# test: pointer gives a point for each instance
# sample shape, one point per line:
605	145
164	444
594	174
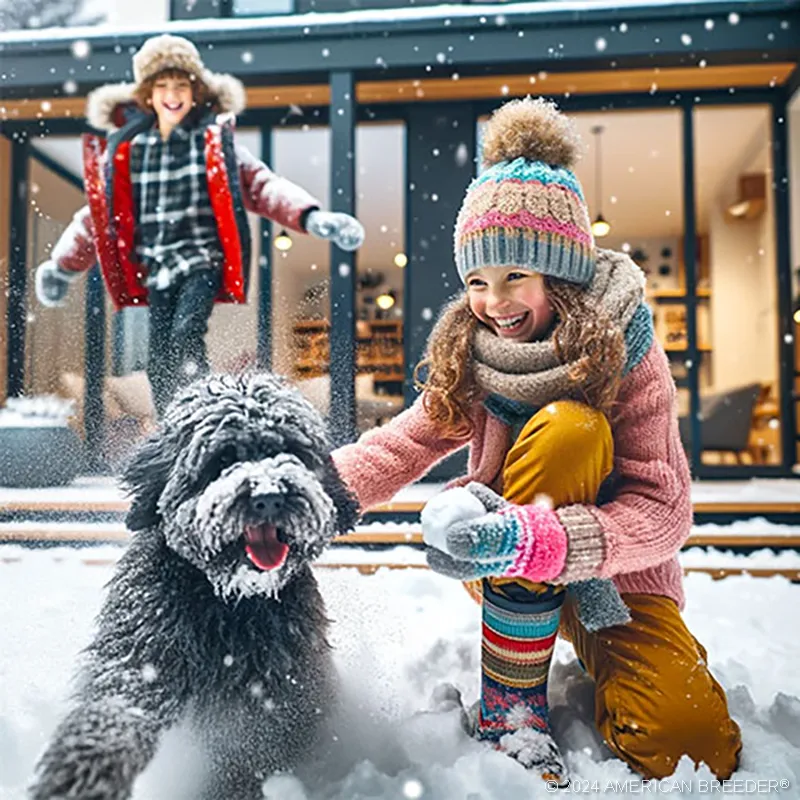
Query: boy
167	197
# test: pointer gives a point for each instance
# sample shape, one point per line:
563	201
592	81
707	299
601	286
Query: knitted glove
459	533
511	541
342	229
52	284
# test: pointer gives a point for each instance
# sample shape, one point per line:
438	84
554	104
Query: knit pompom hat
526	208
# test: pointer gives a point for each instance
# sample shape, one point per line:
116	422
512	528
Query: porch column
17	264
343	264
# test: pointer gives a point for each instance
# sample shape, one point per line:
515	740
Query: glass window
380	205
244	8
55	337
301	269
794	227
632	177
737	322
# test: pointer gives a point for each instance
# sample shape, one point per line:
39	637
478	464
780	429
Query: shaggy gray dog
213	616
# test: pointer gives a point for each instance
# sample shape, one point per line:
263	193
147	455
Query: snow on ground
398	634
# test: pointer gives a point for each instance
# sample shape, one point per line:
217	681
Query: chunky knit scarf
531	373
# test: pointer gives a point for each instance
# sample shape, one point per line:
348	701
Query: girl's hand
472	532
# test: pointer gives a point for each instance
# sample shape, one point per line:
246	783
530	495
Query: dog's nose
266	504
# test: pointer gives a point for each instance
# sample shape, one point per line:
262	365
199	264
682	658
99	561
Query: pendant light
283	241
600	227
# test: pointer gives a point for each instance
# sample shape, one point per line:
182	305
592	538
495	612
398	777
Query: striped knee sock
519	634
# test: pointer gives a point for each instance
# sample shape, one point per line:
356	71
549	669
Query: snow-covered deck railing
751	533
88	495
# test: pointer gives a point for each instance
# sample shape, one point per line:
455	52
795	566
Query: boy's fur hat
157	54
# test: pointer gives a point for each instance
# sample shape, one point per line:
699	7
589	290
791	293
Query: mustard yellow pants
655	699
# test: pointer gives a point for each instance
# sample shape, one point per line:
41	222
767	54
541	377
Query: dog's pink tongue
263	547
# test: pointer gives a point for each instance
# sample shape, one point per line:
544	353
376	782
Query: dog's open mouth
263	547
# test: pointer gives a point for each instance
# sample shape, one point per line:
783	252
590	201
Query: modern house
690	116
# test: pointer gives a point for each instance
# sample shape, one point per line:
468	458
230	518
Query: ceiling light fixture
283	241
600	226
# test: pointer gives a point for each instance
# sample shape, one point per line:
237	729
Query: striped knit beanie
526	209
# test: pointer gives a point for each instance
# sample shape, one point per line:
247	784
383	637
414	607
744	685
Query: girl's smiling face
172	100
510	301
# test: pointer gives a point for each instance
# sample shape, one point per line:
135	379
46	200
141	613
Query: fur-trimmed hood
105	105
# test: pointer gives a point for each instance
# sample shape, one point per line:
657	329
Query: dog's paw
96	754
78	777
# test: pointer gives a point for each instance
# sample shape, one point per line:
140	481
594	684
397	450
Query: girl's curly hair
584	336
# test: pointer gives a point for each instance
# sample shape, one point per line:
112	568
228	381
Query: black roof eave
588	39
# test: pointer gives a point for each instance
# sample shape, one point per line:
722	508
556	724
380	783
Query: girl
548	368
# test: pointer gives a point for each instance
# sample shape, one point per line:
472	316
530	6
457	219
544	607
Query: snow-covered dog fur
213	616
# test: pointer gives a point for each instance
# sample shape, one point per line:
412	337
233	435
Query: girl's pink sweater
633	539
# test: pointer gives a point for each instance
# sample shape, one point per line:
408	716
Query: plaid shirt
176	228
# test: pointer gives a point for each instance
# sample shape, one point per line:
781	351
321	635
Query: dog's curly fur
193	630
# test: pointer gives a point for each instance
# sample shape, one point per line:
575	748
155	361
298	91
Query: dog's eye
227	459
217	465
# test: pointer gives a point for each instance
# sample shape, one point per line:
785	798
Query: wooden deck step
120	506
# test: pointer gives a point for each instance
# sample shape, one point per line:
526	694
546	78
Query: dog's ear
347	509
145	477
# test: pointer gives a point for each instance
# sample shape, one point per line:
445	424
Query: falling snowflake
247	57
686	40
70	86
733	18
709	25
81	48
600	44
413	789
344	269
427	314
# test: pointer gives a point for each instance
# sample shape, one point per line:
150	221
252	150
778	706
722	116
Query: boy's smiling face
172	100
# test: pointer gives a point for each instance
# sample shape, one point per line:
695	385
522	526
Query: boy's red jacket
104	230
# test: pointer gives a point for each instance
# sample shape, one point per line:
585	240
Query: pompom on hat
526	208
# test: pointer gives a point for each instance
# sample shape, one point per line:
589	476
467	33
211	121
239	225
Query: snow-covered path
399	634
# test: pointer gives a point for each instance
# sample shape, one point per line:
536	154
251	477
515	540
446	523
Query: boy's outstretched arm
291	206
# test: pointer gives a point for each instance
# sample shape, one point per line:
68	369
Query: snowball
447	508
